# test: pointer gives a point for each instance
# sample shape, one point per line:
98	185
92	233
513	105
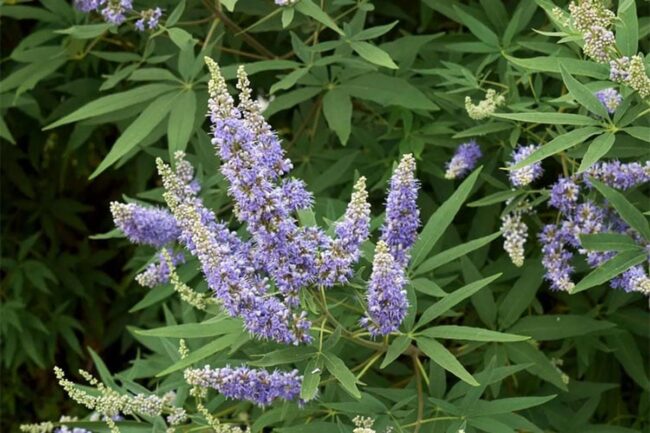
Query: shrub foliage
415	216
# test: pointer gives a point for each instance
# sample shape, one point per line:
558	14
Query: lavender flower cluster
280	254
118	11
559	240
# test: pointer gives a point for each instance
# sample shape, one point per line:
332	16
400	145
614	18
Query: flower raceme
560	239
260	280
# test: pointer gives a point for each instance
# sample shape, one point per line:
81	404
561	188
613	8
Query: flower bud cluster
486	107
593	20
109	403
631	71
515	233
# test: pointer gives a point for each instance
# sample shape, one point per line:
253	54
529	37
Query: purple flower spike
337	258
619	175
564	194
145	225
258	386
610	98
634	279
556	258
463	161
149	19
527	174
387	303
402	215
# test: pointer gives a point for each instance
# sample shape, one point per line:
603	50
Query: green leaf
337	109
342	373
180	37
309	8
483	129
625	209
428	287
208	350
454	253
441	218
452	299
557	327
373	54
115	102
104	374
87	31
374	32
597	149
334	174
521	294
181	122
290	99
507	405
627	353
627	28
229	4
209	328
287	17
582	94
386	90
497	197
284	356
5	132
610	269
552	64
640	132
137	131
608	242
444	358
478	29
455	332
395	349
289	80
557	145
548	118
311	379
176	14
526	353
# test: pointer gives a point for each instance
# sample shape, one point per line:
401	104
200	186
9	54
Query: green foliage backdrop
350	85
